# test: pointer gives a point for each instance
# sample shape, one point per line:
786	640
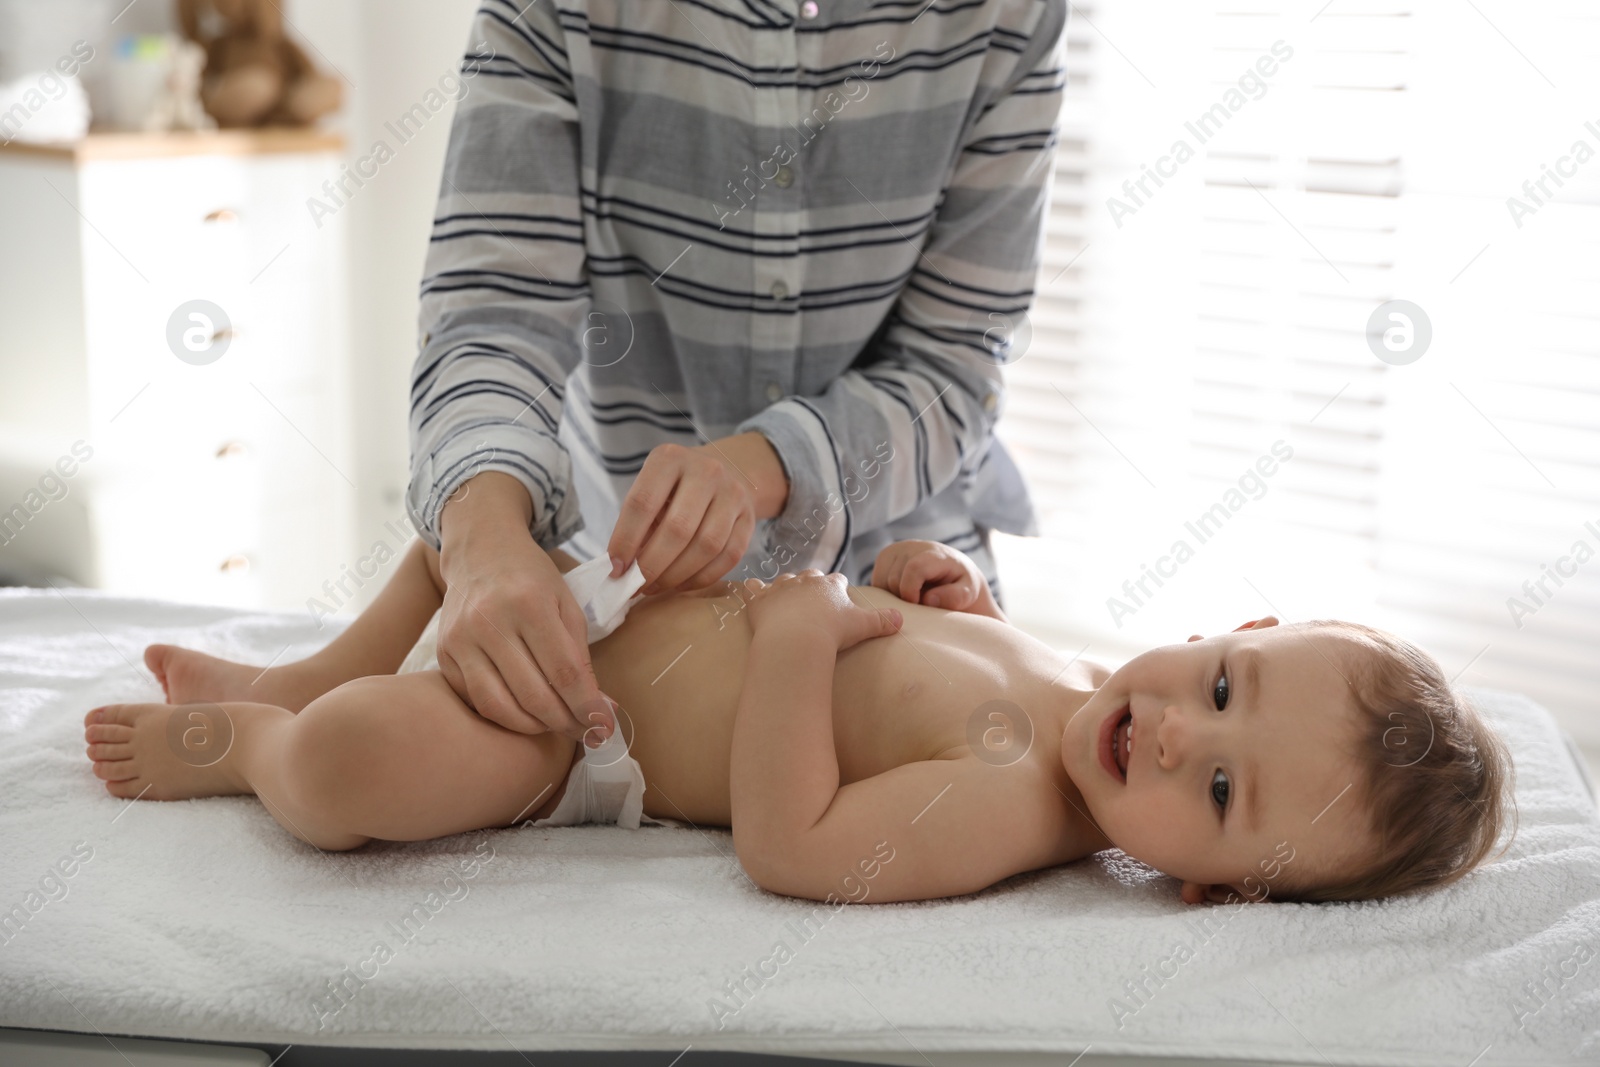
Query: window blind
1208	432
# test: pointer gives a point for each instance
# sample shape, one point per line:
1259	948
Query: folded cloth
606	785
605	600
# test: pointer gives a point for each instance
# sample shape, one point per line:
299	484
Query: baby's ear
1256	624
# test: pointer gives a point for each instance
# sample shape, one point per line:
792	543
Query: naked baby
831	726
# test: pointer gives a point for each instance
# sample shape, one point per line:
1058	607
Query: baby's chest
912	697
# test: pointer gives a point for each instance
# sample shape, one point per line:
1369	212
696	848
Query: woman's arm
919	406
500	319
491	482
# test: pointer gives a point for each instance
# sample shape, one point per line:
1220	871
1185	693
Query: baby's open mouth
1114	743
1122	742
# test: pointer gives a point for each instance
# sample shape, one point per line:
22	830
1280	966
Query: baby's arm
927	572
927	829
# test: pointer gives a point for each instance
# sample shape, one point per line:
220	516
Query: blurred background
1316	332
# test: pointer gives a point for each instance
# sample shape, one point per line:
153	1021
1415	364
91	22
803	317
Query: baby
902	732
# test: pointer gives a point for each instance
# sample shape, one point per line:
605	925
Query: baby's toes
127	788
114	770
127	715
155	657
112	732
102	750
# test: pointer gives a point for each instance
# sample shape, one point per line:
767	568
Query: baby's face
1238	763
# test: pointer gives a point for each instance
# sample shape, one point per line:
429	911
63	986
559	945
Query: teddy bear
254	74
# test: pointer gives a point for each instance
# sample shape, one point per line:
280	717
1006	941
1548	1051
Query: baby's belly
677	666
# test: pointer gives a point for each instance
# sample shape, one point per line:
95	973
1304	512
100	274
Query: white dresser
213	478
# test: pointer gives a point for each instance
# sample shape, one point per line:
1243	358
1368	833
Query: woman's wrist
492	504
754	458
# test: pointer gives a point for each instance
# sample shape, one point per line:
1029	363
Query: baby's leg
396	757
376	642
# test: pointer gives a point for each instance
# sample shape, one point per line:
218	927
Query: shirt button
774	392
808	10
989	402
784	178
779	290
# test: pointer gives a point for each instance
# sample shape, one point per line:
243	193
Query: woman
732	280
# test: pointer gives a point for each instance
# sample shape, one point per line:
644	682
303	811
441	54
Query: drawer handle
237	563
231	448
222	214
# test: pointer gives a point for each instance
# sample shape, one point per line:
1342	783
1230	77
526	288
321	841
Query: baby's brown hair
1438	778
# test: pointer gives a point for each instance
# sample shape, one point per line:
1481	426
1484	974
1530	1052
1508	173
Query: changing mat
202	919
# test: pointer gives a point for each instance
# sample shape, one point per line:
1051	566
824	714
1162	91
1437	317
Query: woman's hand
690	513
513	642
820	601
927	572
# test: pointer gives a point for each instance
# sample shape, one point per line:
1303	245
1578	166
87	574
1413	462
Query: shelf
108	145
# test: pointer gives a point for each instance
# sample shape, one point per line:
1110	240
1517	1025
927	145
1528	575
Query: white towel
204	919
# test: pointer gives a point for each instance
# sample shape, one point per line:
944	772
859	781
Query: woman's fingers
516	672
560	643
516	675
687	510
706	546
676	529
646	500
487	693
732	552
527	679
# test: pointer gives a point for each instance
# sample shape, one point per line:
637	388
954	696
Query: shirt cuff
813	530
536	460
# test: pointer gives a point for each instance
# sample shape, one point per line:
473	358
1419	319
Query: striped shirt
676	220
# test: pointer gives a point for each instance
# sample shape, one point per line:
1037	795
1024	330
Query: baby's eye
1220	797
1219	692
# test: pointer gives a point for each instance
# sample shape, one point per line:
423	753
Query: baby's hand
952	581
819	600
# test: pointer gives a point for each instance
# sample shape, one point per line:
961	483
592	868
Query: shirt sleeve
919	408
504	290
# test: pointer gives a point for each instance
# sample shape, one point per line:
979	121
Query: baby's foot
190	677
162	751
